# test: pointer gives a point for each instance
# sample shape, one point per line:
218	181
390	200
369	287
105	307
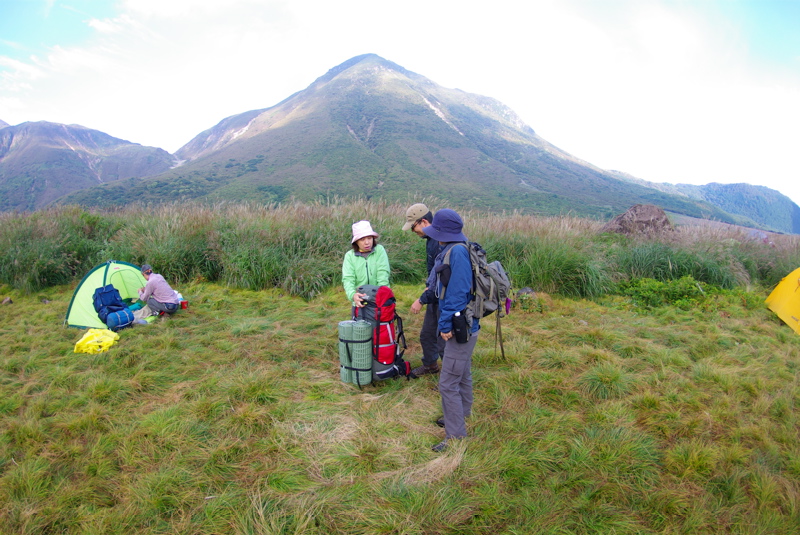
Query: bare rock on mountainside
640	219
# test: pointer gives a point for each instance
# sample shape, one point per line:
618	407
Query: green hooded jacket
358	269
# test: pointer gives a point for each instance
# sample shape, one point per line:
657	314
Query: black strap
400	337
355	341
357	369
350	358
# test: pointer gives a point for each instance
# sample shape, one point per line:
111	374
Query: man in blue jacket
453	286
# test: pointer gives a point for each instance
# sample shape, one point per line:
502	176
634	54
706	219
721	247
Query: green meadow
645	387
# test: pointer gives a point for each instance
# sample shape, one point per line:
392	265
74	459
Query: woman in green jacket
366	263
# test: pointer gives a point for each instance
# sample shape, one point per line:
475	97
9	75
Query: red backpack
388	339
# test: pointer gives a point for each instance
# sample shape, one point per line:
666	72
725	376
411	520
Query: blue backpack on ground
111	309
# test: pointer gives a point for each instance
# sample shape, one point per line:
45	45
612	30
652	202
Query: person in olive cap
417	218
157	292
452	283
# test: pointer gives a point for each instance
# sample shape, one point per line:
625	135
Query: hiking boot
440	447
425	370
440	422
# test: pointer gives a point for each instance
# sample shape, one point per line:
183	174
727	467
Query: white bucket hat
361	230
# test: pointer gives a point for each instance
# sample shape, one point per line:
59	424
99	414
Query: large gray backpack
490	287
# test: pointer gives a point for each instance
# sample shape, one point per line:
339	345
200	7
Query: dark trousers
455	386
432	344
158	306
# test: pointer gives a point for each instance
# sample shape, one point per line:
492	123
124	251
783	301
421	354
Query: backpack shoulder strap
446	260
468	247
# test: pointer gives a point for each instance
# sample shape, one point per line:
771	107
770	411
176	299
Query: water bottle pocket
460	328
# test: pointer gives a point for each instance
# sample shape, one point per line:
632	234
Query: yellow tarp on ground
785	300
96	341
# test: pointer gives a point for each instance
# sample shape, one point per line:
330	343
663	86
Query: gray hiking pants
455	385
158	306
432	344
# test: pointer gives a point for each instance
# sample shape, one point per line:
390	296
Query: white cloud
48	6
19	70
112	26
11	44
182	9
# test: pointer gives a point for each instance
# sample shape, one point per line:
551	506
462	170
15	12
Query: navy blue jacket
432	249
457	277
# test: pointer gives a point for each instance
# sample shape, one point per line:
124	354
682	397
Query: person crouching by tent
157	293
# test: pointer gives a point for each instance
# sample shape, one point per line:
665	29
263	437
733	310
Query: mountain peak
373	128
364	60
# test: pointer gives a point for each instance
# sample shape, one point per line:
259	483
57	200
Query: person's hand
416	306
447	336
358	299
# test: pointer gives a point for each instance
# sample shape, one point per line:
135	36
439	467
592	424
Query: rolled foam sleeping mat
362	358
345	333
355	336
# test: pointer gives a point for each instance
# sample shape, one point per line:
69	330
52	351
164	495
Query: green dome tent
127	278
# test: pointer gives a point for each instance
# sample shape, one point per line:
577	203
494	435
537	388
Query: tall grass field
645	387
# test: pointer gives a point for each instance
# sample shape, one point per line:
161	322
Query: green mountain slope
370	127
766	206
42	161
752	206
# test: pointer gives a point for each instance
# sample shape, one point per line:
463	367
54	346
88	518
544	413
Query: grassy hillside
604	417
299	247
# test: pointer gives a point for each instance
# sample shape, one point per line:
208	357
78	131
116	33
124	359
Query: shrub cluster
298	248
684	293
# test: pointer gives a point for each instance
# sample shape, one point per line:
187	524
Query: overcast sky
666	90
